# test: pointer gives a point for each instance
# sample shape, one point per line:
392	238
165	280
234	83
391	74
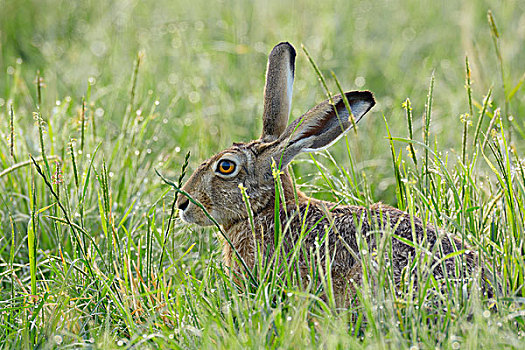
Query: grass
94	96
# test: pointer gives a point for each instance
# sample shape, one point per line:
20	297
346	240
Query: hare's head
215	184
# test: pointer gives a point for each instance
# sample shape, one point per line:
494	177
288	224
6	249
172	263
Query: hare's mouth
185	216
185	211
193	215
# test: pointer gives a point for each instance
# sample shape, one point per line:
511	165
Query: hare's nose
183	203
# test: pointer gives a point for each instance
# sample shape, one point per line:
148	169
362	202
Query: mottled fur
343	226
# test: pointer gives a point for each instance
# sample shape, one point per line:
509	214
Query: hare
215	184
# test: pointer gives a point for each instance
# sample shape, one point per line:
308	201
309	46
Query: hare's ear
323	125
278	91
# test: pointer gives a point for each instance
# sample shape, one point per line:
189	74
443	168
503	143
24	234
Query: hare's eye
226	167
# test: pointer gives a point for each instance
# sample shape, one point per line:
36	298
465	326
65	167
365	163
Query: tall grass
92	253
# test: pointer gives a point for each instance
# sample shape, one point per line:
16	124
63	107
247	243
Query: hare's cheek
216	215
202	219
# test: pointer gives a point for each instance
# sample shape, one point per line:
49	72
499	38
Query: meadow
95	96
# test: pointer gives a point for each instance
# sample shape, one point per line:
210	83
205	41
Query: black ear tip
365	95
284	46
369	96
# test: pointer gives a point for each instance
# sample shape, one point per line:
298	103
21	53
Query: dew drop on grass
10	70
120	343
194	97
177	149
57	102
58	339
486	313
111	174
165	121
137	152
157	103
360	81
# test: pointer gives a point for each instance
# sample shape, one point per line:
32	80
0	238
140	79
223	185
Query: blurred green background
199	88
204	61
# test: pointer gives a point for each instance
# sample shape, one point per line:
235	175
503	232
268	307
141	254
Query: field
97	95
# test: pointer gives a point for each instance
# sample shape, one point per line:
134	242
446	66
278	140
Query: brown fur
343	226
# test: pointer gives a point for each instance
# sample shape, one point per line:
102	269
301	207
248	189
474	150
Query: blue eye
226	167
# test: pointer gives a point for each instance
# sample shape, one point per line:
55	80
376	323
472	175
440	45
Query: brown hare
215	184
